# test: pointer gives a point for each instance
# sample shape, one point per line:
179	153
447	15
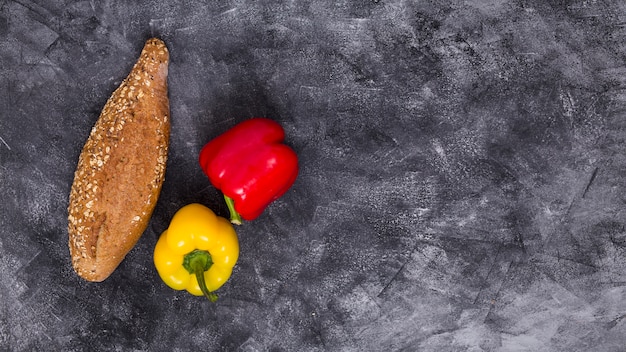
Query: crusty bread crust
121	168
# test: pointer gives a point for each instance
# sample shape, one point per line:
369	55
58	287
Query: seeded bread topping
121	168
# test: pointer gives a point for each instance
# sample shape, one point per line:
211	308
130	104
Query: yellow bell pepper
197	252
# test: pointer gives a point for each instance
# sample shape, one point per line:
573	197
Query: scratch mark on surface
560	258
40	17
612	283
43	328
372	298
5	143
54	315
569	207
610	325
591	179
488	276
502	286
395	276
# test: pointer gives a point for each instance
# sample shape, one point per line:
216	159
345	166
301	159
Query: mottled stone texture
461	184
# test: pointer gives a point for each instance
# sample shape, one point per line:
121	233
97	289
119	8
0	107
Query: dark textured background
461	184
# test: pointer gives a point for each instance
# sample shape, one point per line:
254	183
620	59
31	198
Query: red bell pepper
251	166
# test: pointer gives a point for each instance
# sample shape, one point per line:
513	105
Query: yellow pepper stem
235	218
197	262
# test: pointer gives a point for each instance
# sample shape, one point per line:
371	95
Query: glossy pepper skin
197	252
250	165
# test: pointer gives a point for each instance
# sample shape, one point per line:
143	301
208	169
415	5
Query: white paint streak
5	143
228	11
439	149
569	106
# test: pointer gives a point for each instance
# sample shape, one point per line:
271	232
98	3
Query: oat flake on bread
121	168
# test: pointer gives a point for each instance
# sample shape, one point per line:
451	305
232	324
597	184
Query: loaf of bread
121	168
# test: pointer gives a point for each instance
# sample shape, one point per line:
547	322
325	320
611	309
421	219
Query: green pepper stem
197	262
235	218
199	271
